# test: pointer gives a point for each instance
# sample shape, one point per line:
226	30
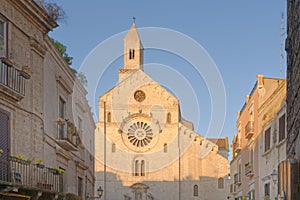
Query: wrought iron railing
68	135
238	145
19	172
68	131
12	78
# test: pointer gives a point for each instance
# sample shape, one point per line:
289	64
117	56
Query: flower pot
38	165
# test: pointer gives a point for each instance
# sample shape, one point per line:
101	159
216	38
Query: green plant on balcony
267	198
39	163
58	171
61	171
61	121
1	151
72	133
29	160
20	158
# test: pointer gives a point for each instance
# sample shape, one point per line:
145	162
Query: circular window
140	134
139	95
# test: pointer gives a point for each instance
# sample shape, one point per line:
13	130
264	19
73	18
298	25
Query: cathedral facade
145	149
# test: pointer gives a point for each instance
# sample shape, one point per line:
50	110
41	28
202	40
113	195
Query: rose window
140	134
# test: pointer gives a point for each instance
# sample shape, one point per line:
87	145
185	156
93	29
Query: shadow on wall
139	189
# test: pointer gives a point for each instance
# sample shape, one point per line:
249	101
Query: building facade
271	142
145	149
250	167
293	102
46	126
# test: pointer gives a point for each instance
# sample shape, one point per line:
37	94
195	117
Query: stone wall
293	75
293	85
33	127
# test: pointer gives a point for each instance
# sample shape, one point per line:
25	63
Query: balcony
237	179
68	136
12	80
238	146
249	129
21	173
249	170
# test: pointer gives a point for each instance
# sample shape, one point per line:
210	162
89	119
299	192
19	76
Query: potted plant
61	121
39	163
19	158
55	170
61	171
267	198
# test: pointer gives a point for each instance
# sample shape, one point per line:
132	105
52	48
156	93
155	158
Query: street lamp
100	193
274	176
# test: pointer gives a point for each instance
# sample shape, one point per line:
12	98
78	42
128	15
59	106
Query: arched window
221	183
132	53
113	148
108	117
142	168
165	148
169	118
136	168
195	190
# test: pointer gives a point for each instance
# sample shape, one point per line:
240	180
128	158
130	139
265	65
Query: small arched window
132	53
113	148
169	120
108	117
165	148
142	168
221	183
136	168
195	190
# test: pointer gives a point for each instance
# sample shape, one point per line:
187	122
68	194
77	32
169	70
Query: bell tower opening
133	50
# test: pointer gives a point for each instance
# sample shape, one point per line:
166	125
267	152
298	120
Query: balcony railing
249	129
68	136
249	170
12	80
237	179
238	145
22	173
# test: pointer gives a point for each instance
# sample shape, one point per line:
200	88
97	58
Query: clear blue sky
242	37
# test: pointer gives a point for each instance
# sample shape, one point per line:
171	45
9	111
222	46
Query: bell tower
133	50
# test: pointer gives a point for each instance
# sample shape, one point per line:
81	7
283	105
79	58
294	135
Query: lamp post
100	193
274	176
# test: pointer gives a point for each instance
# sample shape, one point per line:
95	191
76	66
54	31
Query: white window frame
3	52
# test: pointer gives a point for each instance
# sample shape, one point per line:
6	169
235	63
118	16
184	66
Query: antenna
282	32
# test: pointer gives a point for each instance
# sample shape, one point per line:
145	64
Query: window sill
267	152
281	143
